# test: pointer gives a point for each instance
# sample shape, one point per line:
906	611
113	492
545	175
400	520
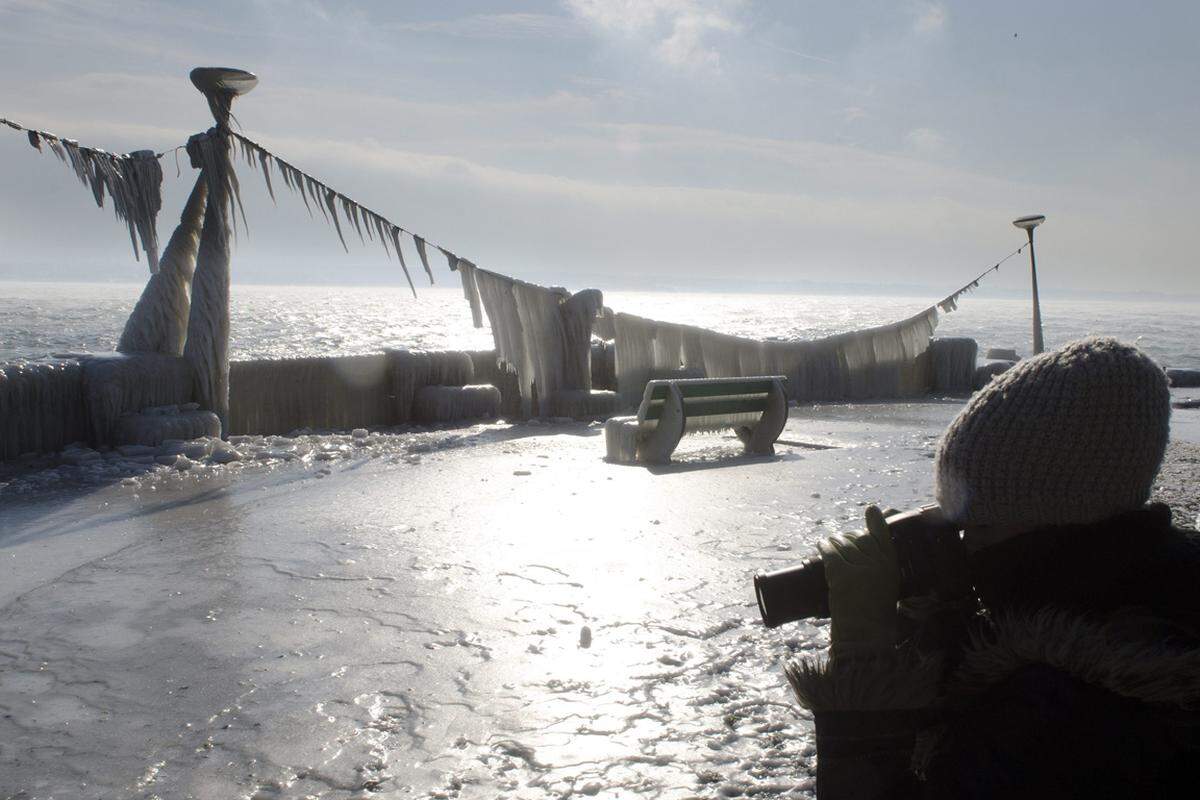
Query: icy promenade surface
480	613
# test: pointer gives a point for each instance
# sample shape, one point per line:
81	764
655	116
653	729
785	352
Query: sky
683	144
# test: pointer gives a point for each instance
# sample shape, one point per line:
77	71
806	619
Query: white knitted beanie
1068	437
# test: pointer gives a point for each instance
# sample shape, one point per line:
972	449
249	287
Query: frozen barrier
283	395
1188	378
954	364
604	366
439	404
885	361
124	383
488	369
155	426
46	405
114	398
41	407
542	334
338	392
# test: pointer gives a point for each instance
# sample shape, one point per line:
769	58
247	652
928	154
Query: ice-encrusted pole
158	323
207	346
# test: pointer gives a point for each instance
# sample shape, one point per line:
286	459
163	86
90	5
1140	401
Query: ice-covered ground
465	613
491	611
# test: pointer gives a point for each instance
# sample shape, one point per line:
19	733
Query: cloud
681	30
926	141
497	26
929	18
854	113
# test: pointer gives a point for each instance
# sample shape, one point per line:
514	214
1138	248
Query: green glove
864	587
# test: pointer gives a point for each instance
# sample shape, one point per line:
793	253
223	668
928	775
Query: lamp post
207	345
1029	223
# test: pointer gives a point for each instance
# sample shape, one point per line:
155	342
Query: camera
931	558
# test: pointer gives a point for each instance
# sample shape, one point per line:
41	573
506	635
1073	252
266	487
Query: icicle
264	161
545	338
496	294
351	211
471	291
133	182
307	187
400	257
578	313
331	202
424	258
634	344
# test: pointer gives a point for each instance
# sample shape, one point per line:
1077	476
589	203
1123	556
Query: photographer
1072	666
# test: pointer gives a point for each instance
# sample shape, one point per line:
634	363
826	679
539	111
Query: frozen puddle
508	616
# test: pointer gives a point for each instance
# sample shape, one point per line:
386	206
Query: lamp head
223	80
1030	222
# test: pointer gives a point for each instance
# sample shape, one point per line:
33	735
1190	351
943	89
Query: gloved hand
864	586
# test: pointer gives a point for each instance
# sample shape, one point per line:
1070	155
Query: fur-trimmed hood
1159	665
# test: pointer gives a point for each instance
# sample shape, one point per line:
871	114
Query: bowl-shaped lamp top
223	80
1030	222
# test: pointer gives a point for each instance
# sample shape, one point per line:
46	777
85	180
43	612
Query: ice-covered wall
283	395
953	361
886	361
338	392
41	407
121	383
45	405
488	369
441	404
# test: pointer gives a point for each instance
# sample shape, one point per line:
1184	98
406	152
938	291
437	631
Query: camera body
930	555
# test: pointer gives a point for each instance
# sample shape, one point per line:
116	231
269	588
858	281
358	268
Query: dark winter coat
1079	676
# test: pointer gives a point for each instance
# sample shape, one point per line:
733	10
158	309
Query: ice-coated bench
756	408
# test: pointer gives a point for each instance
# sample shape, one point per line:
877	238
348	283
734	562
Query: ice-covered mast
207	345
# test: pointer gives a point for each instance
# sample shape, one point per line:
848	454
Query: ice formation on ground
251	633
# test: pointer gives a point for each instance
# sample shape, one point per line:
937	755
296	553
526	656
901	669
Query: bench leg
620	439
656	447
760	439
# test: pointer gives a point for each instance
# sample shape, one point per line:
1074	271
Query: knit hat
1068	437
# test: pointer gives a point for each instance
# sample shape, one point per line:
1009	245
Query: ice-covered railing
877	362
544	335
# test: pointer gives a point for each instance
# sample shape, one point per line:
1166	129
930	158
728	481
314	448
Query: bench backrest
710	397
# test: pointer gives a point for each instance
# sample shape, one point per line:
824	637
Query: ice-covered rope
329	200
950	302
132	180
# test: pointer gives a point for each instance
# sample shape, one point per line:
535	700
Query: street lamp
1029	223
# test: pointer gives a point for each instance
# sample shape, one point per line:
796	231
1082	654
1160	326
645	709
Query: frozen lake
282	321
